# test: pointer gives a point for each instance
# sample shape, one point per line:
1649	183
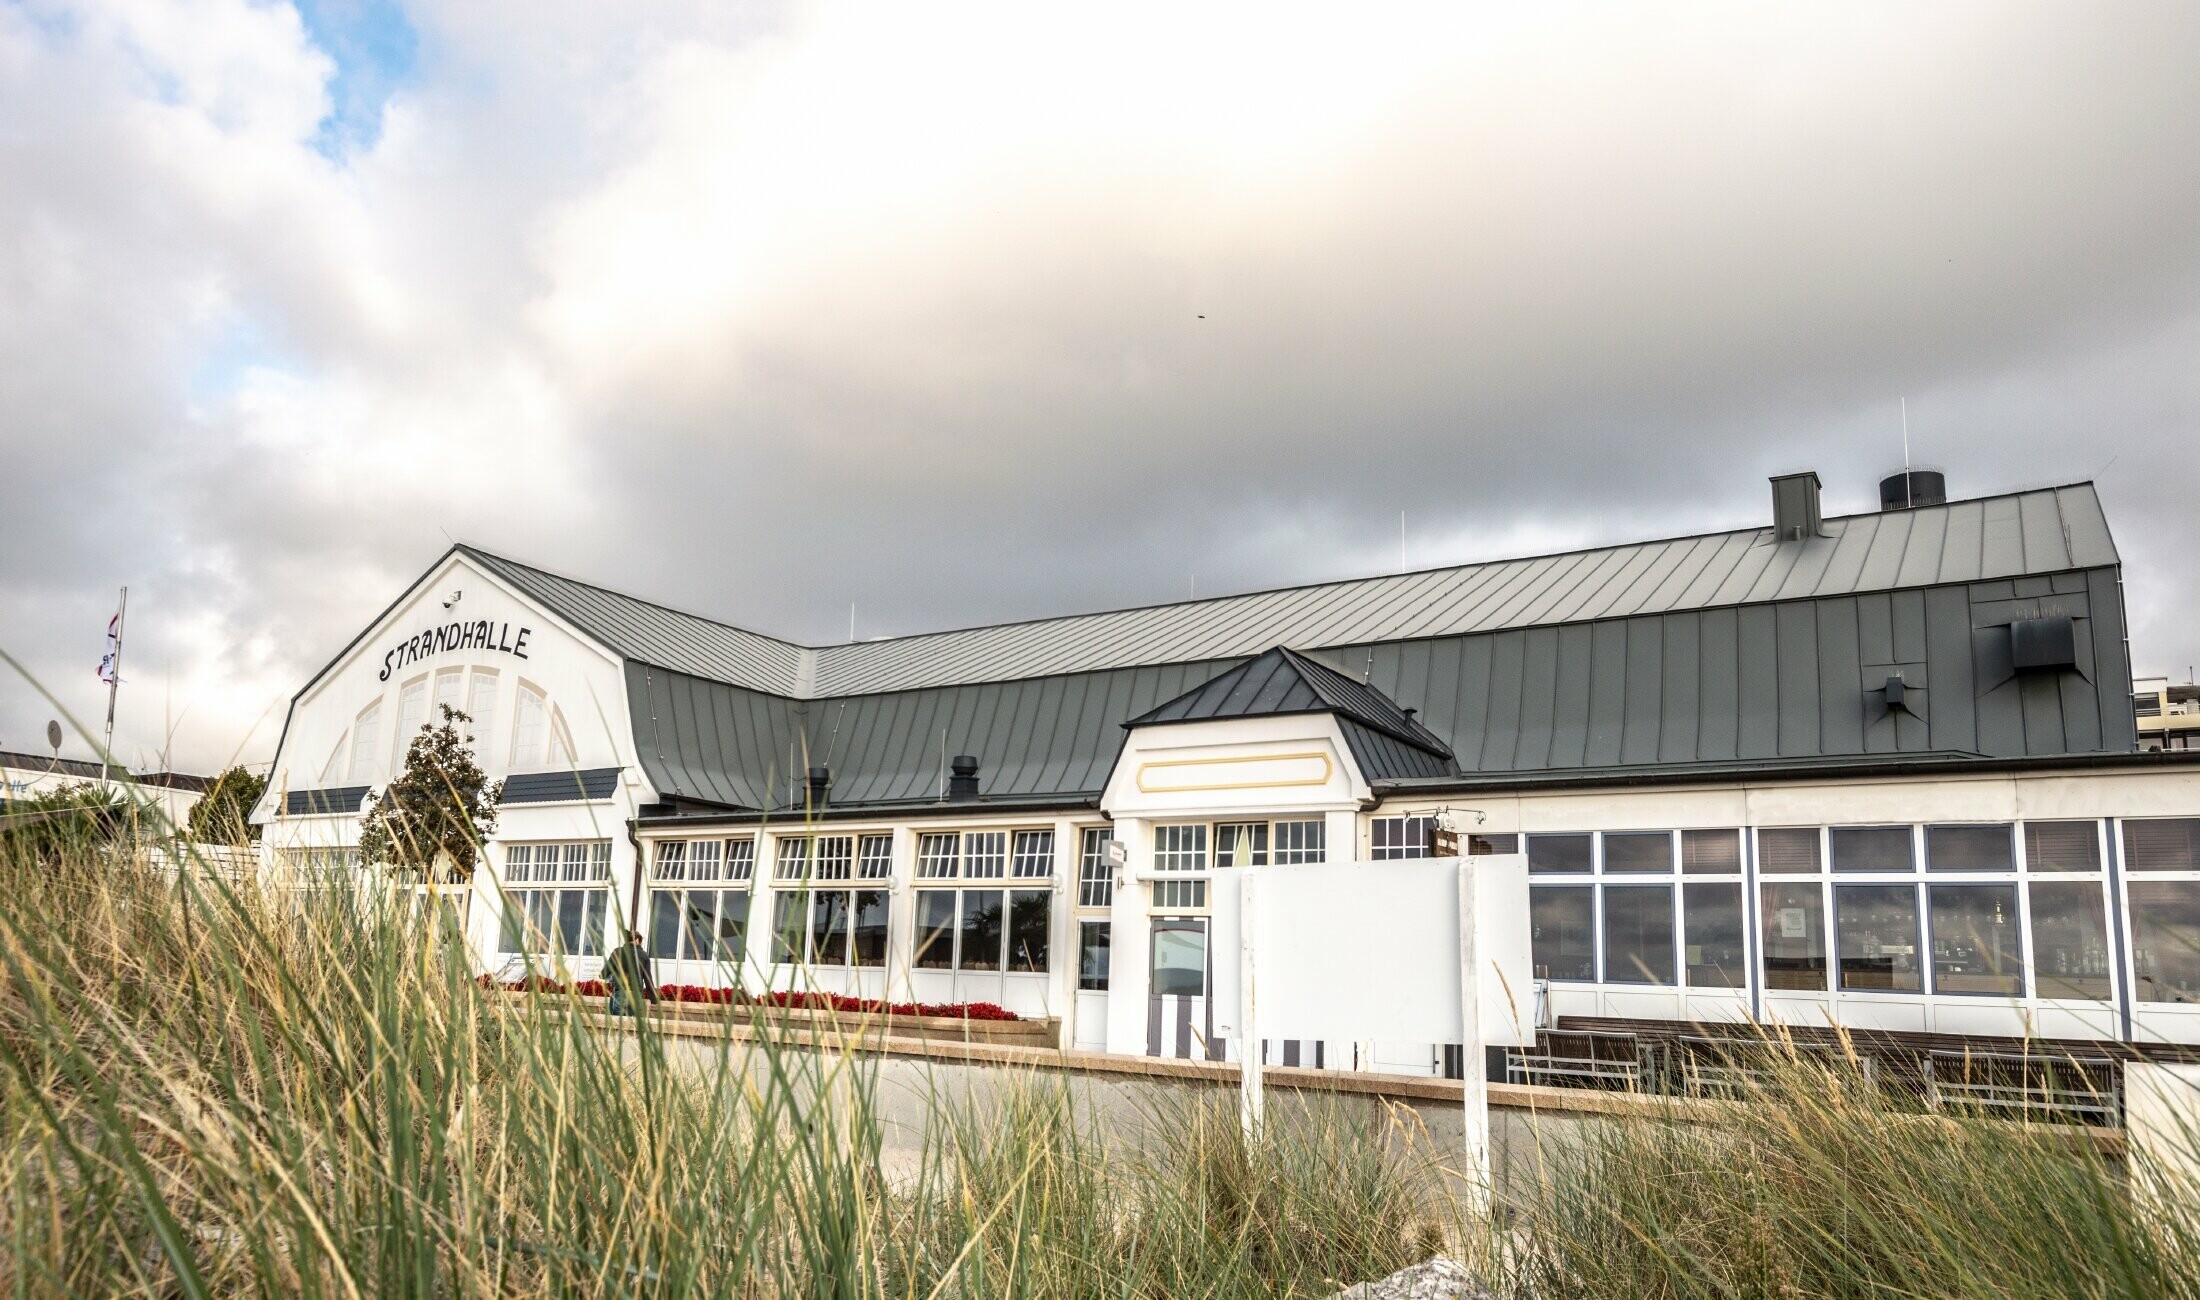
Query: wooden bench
2031	1084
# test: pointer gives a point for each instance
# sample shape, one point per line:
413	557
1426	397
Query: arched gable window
362	741
412	713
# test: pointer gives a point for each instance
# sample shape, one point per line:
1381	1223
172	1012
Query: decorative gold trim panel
1328	769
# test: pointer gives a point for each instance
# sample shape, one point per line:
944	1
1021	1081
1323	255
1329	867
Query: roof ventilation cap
820	780
1913	487
962	778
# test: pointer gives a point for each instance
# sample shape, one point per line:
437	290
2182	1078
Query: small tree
440	804
223	815
63	825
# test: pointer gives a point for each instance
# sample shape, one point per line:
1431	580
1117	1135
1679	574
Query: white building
28	776
1879	770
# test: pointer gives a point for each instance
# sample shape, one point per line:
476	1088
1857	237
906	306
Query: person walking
627	971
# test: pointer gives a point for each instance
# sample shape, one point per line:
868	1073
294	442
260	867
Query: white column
1341	833
1131	942
757	943
901	917
1062	934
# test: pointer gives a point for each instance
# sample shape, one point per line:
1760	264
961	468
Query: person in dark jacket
627	971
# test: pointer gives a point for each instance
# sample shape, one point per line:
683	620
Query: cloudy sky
961	313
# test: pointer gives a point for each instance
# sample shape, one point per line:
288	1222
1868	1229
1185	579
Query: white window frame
712	865
540	873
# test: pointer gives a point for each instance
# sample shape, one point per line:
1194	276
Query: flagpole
114	685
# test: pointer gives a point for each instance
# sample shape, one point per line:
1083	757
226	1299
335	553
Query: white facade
1877	902
542	697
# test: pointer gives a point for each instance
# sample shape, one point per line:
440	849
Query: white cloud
1005	310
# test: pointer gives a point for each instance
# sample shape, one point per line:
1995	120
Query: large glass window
1562	931
935	946
1180	957
984	929
2165	938
481	705
698	924
1871	848
557	899
1093	940
1241	844
699	899
1638	934
1876	929
1560	853
1978	946
1969	848
1714	956
1794	936
869	909
1636	852
847	926
2069	939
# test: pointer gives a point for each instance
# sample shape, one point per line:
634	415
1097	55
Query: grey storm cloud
1008	313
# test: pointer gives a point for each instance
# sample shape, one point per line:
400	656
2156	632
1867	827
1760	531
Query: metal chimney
1913	487
821	780
962	778
1795	514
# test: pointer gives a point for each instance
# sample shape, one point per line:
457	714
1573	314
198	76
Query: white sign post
1430	950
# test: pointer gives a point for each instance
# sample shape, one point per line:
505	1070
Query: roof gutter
872	812
1936	764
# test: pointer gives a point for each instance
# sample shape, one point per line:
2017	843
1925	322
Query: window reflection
1977	944
2069	939
2165	940
1180	958
1877	929
1794	937
1638	934
1713	916
1562	934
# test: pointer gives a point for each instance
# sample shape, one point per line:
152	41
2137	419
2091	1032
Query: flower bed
697	994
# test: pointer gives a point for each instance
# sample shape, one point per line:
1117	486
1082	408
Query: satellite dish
53	737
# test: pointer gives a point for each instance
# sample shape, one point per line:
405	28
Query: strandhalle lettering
457	636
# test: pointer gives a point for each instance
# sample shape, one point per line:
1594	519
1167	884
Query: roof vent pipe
821	780
962	779
1913	487
1795	507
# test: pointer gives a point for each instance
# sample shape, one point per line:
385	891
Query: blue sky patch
374	47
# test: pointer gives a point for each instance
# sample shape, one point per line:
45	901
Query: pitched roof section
1281	680
2016	535
652	633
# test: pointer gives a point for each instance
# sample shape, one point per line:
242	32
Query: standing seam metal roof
2020	534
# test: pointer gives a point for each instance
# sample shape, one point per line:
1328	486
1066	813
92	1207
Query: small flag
114	651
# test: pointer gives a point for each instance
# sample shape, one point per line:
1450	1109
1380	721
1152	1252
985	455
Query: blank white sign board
1369	951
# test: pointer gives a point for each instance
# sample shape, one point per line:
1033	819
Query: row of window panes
1393	839
704	861
1183	848
1976	936
985	855
1095	878
573	863
835	857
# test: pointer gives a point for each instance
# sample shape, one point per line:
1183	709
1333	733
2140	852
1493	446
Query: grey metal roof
1279	681
640	629
2046	531
1048	737
18	762
563	786
1789	680
334	799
